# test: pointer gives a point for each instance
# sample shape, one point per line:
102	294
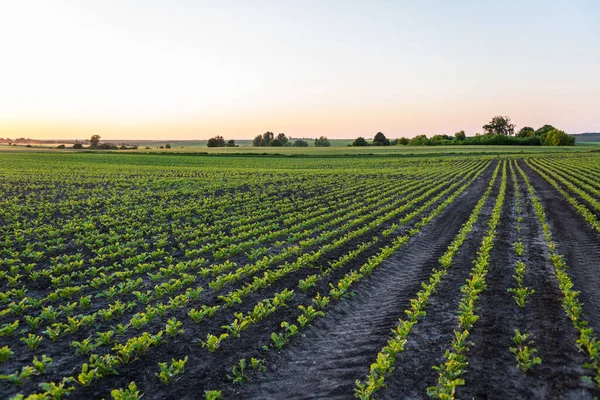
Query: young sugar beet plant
450	372
168	372
383	365
588	341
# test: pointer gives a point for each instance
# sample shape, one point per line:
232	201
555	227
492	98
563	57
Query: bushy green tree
380	140
268	137
322	142
460	135
403	141
499	126
360	141
217	141
94	141
419	140
526	131
259	141
283	139
300	143
556	137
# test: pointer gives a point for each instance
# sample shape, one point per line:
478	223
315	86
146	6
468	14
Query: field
402	274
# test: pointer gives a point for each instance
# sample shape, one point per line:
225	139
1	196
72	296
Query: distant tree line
499	131
219	141
96	145
378	140
268	139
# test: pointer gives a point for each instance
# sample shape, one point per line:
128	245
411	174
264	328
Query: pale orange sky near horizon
192	70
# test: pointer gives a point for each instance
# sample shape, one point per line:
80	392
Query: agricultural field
268	277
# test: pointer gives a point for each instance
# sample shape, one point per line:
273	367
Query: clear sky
149	69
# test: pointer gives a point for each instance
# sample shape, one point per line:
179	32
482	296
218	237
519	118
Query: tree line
281	140
499	131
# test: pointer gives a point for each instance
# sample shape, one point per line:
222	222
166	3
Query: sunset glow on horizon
190	70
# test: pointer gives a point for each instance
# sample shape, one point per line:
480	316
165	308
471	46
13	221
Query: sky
149	69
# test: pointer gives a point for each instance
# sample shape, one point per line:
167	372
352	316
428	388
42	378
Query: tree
94	141
78	146
322	142
258	141
544	130
419	140
283	139
60	146
403	141
460	135
268	137
439	138
526	131
360	141
217	141
168	146
557	137
231	143
499	126
300	143
380	140
276	143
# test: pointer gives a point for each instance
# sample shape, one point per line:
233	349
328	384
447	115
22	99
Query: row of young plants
383	365
584	190
588	341
584	211
523	350
577	169
450	372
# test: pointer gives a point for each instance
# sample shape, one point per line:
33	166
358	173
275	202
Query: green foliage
216	141
168	372
5	353
214	342
213	395
32	341
525	356
129	393
360	141
380	140
557	137
499	125
322	141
